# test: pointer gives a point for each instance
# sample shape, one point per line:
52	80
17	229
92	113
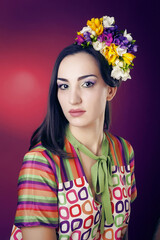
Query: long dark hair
52	130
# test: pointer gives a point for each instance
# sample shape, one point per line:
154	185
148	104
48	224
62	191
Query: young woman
77	179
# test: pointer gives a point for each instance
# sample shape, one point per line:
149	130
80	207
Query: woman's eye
62	86
88	84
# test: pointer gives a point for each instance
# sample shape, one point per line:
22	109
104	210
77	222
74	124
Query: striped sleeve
133	181
37	193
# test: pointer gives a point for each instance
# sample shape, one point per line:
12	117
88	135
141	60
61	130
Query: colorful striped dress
54	192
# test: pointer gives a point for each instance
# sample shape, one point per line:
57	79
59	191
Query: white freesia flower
121	51
98	46
127	35
118	73
108	21
126	75
93	33
118	63
86	29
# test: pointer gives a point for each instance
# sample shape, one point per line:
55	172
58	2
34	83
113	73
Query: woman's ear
111	93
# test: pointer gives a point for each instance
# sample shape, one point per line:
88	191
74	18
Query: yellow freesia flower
111	53
96	25
128	58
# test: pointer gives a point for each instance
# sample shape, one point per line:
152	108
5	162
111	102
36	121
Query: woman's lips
77	112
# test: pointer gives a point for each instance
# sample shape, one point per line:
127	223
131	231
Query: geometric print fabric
80	214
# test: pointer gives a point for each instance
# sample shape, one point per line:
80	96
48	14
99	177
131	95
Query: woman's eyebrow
80	78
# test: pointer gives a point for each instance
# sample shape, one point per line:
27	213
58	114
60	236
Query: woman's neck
89	136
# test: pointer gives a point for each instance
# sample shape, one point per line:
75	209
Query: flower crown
116	46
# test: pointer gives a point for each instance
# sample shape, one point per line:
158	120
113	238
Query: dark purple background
32	33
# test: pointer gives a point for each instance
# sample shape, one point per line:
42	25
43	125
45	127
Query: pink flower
80	39
106	37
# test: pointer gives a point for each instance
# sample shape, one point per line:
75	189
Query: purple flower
124	43
87	37
100	38
116	41
132	48
121	41
112	30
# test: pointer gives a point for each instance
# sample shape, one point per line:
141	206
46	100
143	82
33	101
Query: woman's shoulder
36	150
39	153
41	159
120	147
118	139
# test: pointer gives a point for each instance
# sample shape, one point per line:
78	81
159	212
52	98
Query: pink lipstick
76	112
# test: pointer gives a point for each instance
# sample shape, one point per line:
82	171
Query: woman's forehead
82	63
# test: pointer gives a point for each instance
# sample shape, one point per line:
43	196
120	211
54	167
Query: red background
32	33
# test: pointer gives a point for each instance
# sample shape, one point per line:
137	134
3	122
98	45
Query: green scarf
101	173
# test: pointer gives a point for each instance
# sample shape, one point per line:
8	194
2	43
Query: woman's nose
74	96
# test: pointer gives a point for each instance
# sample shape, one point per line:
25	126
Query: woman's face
82	93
